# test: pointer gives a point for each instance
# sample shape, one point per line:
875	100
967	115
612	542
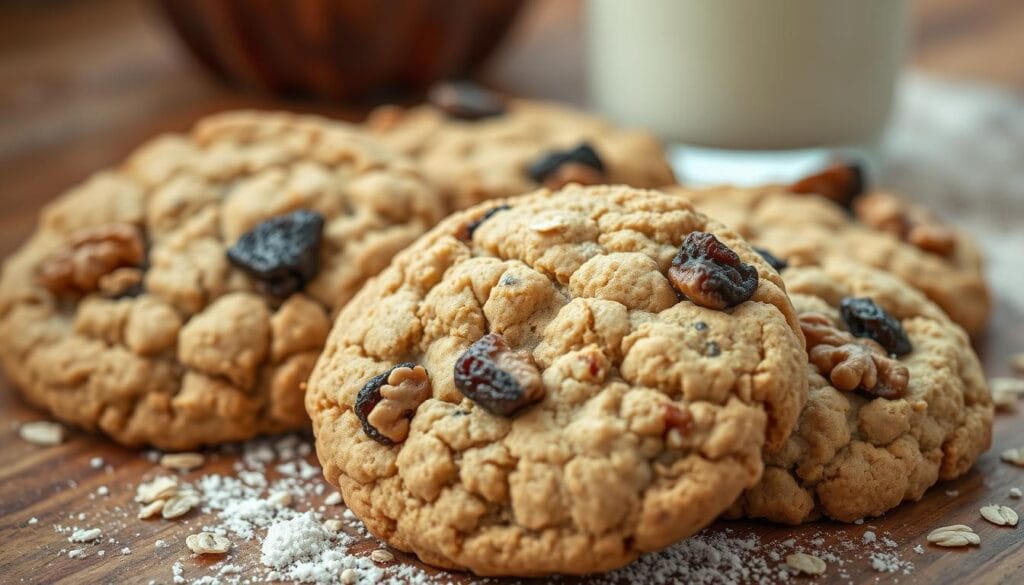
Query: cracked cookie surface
124	314
856	454
884	231
652	412
474	160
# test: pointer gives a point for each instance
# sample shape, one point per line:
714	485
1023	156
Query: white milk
748	74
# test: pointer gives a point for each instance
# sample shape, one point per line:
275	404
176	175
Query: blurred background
83	81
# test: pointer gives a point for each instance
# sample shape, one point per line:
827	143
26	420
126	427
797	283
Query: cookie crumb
33	520
42	433
952	493
280	498
805	563
869	536
999	515
126	551
77	553
86	535
333	499
96	462
381	556
1015	493
919	549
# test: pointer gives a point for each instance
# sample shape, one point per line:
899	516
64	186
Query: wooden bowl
340	49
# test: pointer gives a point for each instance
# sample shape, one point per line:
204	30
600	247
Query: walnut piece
852	363
89	255
933	237
915	225
405	390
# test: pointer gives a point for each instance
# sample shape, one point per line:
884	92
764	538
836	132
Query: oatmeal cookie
518	148
897	401
884	231
182	298
557	383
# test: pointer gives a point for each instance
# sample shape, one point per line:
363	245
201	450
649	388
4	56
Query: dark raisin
499	380
864	318
368	397
282	253
467	232
710	274
466	100
712	349
549	163
840	183
774	261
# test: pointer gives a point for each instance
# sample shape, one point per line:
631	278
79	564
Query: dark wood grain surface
81	83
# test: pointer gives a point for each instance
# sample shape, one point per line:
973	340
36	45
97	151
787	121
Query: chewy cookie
557	383
880	230
182	298
897	401
476	146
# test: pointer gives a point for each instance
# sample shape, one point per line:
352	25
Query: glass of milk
749	90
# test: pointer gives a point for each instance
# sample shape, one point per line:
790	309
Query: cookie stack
537	363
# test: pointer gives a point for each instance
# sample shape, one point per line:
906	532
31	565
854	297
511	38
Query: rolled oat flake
999	515
207	543
806	563
954	536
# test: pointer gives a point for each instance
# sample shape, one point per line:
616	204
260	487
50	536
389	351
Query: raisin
501	381
710	274
281	253
387	402
840	183
864	318
712	349
466	100
774	261
547	168
467	231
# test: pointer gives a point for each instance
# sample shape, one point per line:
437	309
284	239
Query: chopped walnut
90	255
405	389
889	213
852	363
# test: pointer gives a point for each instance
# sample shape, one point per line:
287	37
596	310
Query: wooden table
81	83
